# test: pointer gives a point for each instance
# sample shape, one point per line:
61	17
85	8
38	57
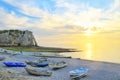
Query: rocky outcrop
17	38
11	75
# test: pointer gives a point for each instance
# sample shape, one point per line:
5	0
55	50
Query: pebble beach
97	70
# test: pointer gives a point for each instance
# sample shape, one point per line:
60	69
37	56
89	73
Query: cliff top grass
39	49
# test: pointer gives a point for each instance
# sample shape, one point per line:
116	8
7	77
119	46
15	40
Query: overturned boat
38	72
57	65
14	64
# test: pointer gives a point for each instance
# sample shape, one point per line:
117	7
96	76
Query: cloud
115	6
11	20
68	16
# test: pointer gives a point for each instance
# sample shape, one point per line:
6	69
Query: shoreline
97	70
39	49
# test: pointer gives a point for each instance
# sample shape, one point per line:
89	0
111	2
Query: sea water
98	47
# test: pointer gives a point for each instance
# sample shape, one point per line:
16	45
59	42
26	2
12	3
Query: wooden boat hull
37	61
38	73
30	62
37	64
57	65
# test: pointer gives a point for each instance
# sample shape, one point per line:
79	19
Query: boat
31	62
43	64
37	64
15	64
78	73
57	65
2	58
42	59
37	72
36	61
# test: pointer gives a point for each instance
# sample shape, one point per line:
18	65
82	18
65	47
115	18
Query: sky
55	17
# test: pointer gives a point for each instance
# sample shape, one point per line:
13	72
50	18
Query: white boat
78	73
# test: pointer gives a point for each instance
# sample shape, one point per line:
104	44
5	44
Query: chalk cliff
17	38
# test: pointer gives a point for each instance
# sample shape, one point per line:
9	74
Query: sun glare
89	51
88	32
89	28
88	24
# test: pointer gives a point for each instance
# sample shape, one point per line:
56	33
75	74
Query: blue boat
15	64
43	64
78	73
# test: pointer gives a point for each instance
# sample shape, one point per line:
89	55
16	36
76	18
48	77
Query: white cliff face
17	38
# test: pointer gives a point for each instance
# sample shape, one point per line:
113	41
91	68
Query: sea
98	46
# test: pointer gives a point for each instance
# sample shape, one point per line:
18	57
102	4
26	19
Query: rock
8	75
17	38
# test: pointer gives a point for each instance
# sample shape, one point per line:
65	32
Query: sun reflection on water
89	51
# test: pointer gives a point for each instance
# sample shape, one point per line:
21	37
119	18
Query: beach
97	70
59	39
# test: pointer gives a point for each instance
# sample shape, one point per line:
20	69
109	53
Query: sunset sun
88	32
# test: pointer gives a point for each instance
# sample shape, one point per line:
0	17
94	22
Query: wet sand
97	70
